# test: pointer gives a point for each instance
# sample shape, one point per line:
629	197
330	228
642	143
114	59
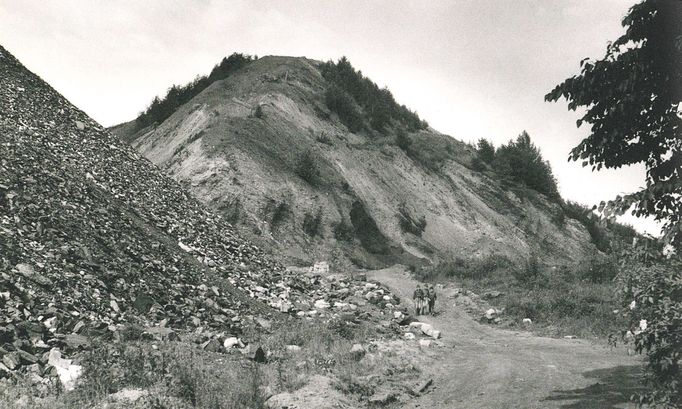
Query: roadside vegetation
179	374
559	300
631	101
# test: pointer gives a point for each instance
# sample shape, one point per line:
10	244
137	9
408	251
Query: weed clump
307	168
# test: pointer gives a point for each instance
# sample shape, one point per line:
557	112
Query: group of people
424	299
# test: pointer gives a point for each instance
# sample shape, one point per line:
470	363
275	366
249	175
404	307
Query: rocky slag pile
93	237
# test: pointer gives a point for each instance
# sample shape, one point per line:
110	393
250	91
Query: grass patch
181	375
577	300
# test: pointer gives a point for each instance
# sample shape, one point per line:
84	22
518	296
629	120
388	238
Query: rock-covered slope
93	236
239	144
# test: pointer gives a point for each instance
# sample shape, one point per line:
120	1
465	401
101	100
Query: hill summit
316	161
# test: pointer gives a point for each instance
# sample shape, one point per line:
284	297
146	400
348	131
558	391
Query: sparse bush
258	113
323	138
530	272
343	231
312	225
591	222
403	139
600	269
477	164
307	169
280	213
232	210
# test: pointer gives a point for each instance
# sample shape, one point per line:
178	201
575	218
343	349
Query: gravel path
485	367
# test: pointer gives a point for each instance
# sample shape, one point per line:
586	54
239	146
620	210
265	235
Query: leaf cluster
632	102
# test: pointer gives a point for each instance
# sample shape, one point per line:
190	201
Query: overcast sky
472	69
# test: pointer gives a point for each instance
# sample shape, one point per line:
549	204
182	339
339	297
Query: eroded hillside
244	145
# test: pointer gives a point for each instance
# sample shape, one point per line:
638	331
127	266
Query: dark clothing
417	294
432	299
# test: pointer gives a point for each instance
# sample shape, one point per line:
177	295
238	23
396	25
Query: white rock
490	313
321	304
293	348
409	335
370	286
68	373
387	298
184	247
527	321
80	125
398	315
232	342
425	343
428	330
357	349
320	268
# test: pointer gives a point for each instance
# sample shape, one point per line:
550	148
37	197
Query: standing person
432	299
418	298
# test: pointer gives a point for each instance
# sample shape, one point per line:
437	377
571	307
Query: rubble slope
94	236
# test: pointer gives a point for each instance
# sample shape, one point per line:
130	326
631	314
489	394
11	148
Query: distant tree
485	150
345	107
522	161
632	99
377	106
176	96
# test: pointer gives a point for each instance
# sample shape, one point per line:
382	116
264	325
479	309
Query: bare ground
485	367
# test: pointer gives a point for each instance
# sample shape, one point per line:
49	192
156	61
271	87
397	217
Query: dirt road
484	367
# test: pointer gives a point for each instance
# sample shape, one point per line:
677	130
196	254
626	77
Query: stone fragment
357	351
212	345
67	372
232	342
76	341
422	386
11	360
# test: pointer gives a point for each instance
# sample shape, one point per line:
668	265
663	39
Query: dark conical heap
93	236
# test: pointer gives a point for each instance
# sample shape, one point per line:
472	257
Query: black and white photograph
340	204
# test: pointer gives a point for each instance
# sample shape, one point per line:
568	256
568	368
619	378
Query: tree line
177	95
361	104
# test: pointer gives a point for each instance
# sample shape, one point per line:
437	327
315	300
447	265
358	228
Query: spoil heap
93	237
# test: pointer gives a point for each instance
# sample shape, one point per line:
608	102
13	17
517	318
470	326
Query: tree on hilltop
632	99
